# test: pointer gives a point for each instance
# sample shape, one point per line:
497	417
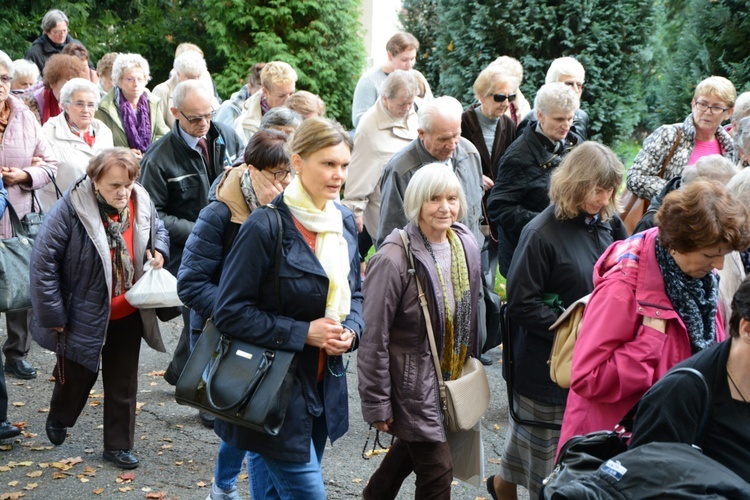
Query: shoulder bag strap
671	152
706	415
15	222
277	264
425	310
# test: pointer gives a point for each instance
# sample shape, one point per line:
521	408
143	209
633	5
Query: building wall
380	22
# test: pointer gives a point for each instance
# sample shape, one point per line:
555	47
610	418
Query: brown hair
700	215
253	76
740	308
267	149
76	49
587	167
401	42
306	104
63	67
113	157
104	66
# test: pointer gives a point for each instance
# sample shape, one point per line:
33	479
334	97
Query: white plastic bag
156	288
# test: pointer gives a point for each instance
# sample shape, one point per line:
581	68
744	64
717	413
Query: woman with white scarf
319	314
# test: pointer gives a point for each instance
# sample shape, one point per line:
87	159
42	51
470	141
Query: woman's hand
383	426
137	153
487	182
157	261
58	329
360	223
265	189
14	175
328	334
338	346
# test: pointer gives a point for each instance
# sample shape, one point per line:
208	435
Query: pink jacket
616	358
23	140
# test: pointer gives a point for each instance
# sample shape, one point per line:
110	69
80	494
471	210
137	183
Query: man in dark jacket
53	39
178	171
522	184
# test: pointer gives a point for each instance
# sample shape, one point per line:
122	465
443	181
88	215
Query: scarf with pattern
136	124
457	323
122	264
331	248
694	299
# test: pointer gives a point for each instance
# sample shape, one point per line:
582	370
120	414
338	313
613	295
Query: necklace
736	387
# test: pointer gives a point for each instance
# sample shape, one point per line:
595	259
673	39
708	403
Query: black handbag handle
253	383
34	199
15	222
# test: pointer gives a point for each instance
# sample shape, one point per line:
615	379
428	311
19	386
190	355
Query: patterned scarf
456	342
137	125
88	135
331	248
694	299
248	191
264	106
122	266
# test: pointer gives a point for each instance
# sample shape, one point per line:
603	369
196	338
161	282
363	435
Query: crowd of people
447	195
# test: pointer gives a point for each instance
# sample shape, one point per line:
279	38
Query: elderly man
386	128
178	170
522	184
277	81
570	72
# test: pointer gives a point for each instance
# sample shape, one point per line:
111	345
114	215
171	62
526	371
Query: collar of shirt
191	141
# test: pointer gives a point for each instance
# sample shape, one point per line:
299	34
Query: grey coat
397	376
71	274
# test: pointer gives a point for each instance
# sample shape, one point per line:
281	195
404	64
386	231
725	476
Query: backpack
566	329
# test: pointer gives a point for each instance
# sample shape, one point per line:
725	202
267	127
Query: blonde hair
306	104
277	73
511	65
587	167
490	77
318	133
185	47
719	87
432	180
564	66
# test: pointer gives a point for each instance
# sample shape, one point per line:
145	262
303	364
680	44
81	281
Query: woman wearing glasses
132	113
699	135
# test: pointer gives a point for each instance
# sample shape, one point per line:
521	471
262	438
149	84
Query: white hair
397	82
445	107
564	66
190	64
22	68
711	167
739	186
77	85
127	61
181	91
431	180
6	61
742	135
552	97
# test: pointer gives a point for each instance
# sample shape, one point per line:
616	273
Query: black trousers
18	343
431	462
182	349
119	366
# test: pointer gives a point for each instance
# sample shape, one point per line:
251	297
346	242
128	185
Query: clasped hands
330	335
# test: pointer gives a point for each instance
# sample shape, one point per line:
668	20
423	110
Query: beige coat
249	120
72	153
379	136
164	92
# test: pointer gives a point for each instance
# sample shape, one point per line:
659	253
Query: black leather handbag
237	381
15	255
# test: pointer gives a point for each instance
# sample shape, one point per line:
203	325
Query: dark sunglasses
503	97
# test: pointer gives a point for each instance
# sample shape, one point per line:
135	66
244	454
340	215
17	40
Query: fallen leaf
179	463
6	447
43	410
179	426
4	468
153	383
83	479
59	475
145	489
167	446
168	440
35	473
127	476
21	425
159	495
30	486
89	471
43	465
12	496
18	404
13	483
156	373
357	480
201	484
98	491
241	476
138	406
497	427
100	396
22	464
125	489
41	448
493	460
95	403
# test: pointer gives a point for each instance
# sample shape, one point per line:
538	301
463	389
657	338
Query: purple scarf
137	125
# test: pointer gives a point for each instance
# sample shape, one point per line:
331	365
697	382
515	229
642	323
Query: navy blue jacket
246	308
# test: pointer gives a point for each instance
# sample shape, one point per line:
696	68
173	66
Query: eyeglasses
196	119
280	175
6	79
577	85
503	97
139	80
59	32
703	107
83	105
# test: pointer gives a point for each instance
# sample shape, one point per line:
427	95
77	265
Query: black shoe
207	420
491	487
170	377
56	432
8	430
124	459
486	360
20	369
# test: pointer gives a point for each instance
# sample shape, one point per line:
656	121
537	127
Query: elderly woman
53	39
89	252
655	302
397	379
519	107
555	256
45	101
263	176
321	264
189	65
306	104
75	136
277	84
25	160
741	110
742	141
282	119
699	135
131	112
104	70
25	76
402	54
521	187
671	409
384	130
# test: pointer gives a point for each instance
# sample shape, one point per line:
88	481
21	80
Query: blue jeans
280	479
228	466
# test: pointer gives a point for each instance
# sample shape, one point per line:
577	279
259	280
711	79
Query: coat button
658	313
279	340
640	309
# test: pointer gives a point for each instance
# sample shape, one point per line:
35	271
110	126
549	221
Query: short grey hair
127	61
739	186
741	107
7	62
446	107
398	82
77	85
181	91
190	64
711	167
556	97
52	17
22	68
431	180
742	135
564	66
280	116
